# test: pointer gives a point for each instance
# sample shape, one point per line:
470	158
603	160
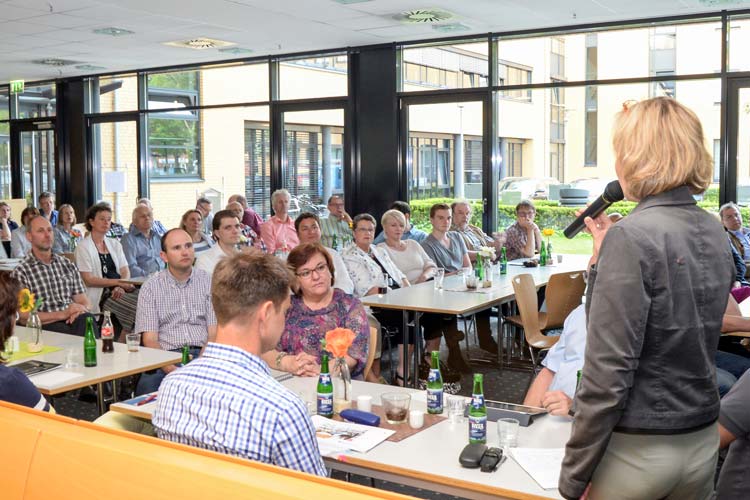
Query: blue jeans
724	380
150	381
733	363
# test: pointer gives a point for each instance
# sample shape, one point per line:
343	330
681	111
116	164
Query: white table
110	366
429	459
453	299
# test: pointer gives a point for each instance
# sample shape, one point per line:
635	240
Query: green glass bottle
335	243
543	255
479	268
89	344
325	390
503	261
185	354
549	253
477	413
435	386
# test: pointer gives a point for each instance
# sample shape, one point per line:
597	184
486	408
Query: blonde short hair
659	145
393	214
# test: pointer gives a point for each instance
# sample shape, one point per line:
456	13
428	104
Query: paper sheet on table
54	378
340	436
542	464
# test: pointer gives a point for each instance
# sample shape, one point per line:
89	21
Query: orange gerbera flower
338	341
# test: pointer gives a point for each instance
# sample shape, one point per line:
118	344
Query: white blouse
412	261
365	272
87	260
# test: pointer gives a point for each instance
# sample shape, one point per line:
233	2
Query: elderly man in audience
523	238
47	207
731	218
473	236
7	226
308	229
55	280
249	236
174	307
227	400
205	207
156	226
338	224
278	231
19	244
227	235
410	232
249	216
142	244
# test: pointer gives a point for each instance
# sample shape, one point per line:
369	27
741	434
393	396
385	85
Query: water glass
456	406
134	341
507	432
395	406
364	402
439	276
383	287
471	281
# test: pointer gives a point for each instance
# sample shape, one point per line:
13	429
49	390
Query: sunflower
548	232
26	300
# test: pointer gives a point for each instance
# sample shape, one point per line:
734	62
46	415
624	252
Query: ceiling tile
11	13
56	5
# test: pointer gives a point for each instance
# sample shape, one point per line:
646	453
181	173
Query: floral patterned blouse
365	272
305	328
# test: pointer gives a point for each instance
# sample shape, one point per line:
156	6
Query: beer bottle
435	386
503	261
108	333
477	413
479	269
185	354
89	344
549	253
335	243
325	390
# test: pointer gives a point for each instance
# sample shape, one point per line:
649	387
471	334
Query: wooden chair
564	292
528	308
371	351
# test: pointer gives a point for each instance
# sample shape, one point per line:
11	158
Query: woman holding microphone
646	409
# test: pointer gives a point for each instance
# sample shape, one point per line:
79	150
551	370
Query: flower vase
342	386
487	266
35	325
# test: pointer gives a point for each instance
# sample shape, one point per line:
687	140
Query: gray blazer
655	302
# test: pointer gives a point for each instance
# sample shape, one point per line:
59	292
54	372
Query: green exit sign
16	87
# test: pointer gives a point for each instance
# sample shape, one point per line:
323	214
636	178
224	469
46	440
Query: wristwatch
279	357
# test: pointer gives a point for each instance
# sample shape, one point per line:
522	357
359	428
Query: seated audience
734	432
142	244
67	237
205	207
731	218
7	226
19	244
55	280
337	223
227	236
47	207
308	229
156	226
368	267
165	325
15	387
102	264
226	400
192	224
410	232
249	216
248	236
740	287
523	238
316	308
278	231
448	250
473	236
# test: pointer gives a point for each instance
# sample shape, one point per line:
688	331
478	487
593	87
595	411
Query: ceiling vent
423	16
53	61
112	31
235	50
200	43
450	27
89	67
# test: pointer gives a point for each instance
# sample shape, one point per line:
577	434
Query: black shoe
454	336
457	362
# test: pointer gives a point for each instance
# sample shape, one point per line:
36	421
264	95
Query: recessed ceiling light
347	2
450	27
53	61
113	31
423	16
235	50
89	67
200	43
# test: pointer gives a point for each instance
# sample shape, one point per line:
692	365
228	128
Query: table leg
100	397
417	348
405	336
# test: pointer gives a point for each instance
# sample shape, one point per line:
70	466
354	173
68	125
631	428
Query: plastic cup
439	276
456	406
364	402
134	341
416	419
395	406
507	432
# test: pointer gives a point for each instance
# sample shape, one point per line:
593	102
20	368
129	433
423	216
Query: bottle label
107	332
434	400
477	401
503	267
477	429
325	403
325	379
434	376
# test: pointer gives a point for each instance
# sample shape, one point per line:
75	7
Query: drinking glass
471	281
134	341
383	287
395	406
70	359
456	407
507	432
439	276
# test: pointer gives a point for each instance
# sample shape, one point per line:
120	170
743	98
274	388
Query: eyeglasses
366	230
319	269
525	214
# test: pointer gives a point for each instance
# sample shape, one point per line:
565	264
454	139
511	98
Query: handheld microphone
612	193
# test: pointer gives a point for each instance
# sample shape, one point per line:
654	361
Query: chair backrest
564	292
528	306
371	351
70	256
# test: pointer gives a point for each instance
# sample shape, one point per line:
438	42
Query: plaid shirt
516	241
474	237
56	283
332	225
179	312
227	401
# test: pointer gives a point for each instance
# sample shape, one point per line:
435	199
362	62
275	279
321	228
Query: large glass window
174	145
4	103
109	94
36	101
445	66
4	160
319	76
739	41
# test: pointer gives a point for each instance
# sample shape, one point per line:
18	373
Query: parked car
531	188
594	185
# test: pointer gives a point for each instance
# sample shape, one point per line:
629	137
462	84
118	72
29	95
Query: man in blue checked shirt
227	400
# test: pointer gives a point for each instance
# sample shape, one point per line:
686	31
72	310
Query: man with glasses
338	223
523	238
